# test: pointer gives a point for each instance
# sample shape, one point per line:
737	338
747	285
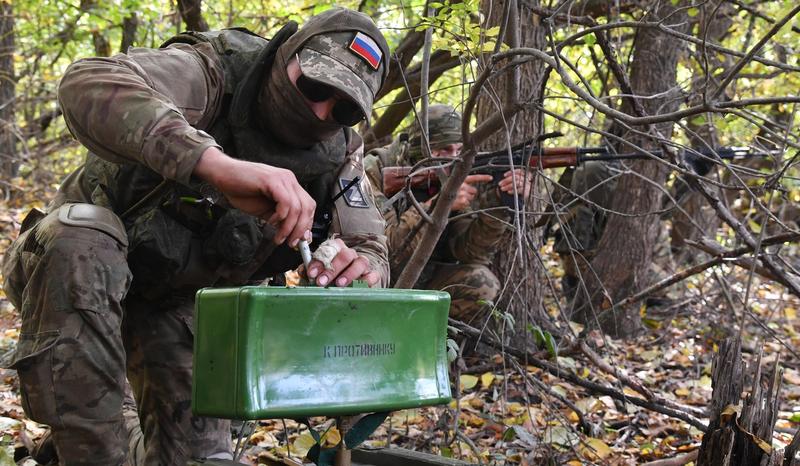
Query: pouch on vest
160	248
235	239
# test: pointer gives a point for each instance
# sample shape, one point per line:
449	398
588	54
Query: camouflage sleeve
399	229
373	167
131	107
475	239
356	219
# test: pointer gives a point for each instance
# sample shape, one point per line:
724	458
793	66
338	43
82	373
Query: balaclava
340	48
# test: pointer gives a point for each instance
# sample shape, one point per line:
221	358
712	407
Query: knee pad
93	217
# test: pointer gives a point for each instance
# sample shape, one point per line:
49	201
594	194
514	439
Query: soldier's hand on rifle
264	191
347	266
520	178
467	191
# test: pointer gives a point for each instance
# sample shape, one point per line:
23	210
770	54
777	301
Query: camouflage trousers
80	337
469	286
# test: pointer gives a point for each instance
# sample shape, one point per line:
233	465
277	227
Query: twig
675	460
603	365
586	427
573	378
471	444
633	382
731	75
683	274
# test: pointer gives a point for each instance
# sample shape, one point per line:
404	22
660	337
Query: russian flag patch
366	48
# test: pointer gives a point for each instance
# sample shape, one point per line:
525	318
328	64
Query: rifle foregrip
554	161
550	151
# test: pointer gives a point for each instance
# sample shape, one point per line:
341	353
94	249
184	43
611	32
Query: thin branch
564	374
694	270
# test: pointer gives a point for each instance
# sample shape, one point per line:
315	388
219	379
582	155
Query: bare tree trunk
516	263
192	15
129	26
625	250
8	141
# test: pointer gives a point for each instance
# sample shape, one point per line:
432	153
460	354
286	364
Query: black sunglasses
345	111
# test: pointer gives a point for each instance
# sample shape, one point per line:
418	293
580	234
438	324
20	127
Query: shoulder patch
363	46
354	196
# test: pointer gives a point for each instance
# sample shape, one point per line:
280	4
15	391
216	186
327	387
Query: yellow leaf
791	376
762	445
790	312
515	408
487	379
649	355
303	443
331	438
729	411
594	448
682	391
468	381
630	392
704	382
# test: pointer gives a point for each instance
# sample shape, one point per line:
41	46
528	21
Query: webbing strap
359	432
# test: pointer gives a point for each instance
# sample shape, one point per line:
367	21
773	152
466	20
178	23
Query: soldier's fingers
372	278
339	263
358	267
314	268
468	189
289	222
478	179
305	218
507	186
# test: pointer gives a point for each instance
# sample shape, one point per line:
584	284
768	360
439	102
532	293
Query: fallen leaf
468	381
595	449
487	379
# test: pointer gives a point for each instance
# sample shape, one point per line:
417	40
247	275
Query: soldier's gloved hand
523	182
264	191
346	266
467	191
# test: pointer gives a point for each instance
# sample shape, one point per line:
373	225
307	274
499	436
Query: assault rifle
529	155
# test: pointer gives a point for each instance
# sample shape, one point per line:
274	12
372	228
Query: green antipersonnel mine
272	352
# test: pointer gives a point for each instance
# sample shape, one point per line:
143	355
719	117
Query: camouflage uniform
105	281
581	228
460	262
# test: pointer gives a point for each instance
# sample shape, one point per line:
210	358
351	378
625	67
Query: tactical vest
180	238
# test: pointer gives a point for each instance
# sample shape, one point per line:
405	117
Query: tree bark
129	27
516	262
192	15
9	163
625	250
102	47
714	22
742	437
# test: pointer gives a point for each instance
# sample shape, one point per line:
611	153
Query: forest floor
501	415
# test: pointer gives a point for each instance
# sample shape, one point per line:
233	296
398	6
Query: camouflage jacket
155	108
469	239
